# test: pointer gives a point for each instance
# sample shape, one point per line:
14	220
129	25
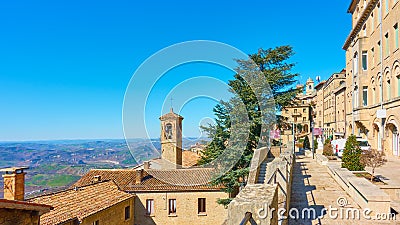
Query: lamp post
312	139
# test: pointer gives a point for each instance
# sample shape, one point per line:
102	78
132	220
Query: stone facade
114	215
14	183
373	73
300	112
187	204
21	217
333	105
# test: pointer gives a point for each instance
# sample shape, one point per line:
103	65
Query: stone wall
260	198
114	215
18	217
186	208
363	192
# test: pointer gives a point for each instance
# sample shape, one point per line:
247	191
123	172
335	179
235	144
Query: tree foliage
351	158
306	143
327	149
276	71
374	159
315	143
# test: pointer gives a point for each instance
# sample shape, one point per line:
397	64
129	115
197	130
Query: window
96	222
388	89
364	60
387	6
387	49
373	55
150	207
380	51
168	131
373	96
379	13
356	97
201	206
396	35
295	110
304	119
364	30
372	22
355	64
304	110
127	212
172	206
365	95
398	85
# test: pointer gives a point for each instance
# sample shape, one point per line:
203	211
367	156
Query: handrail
248	217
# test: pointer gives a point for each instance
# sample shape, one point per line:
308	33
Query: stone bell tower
171	138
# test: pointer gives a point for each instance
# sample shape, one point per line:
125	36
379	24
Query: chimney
14	183
146	165
97	178
139	176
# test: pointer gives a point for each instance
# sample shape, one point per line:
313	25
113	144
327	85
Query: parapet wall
262	200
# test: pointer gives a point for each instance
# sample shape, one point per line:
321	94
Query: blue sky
65	65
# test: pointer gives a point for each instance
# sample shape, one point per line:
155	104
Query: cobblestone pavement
314	188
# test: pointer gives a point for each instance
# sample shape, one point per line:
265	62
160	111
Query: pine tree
351	158
276	70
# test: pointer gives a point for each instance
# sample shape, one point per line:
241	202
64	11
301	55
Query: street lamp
312	139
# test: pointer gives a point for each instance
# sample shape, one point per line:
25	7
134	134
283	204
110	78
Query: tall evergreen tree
277	72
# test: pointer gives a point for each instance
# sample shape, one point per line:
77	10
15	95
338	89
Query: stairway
263	171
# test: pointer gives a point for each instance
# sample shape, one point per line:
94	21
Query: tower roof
171	115
309	80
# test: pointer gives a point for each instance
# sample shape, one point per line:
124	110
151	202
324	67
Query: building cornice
364	16
352	6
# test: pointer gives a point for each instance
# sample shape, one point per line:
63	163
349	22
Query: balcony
296	114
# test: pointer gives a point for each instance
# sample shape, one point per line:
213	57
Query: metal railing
248	218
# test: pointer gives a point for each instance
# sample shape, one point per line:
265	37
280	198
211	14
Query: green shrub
306	143
352	155
315	144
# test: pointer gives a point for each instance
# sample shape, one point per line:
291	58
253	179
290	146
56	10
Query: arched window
168	131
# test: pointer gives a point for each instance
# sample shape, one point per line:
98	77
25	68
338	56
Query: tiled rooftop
189	158
194	179
79	203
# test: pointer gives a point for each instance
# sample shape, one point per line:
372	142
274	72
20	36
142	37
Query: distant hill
57	164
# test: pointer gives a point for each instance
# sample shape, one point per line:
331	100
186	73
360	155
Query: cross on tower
171	102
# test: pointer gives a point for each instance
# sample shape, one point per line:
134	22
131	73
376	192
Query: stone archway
392	139
305	128
377	141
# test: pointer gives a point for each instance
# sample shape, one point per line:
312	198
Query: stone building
333	105
166	191
300	112
373	73
14	210
100	202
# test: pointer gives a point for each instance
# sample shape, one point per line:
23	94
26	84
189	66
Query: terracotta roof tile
193	179
189	158
81	202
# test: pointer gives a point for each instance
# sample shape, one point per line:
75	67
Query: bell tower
171	138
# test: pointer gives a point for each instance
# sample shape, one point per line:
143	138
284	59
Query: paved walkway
389	172
314	188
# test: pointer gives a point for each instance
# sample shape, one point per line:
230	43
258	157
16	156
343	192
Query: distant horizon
90	139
